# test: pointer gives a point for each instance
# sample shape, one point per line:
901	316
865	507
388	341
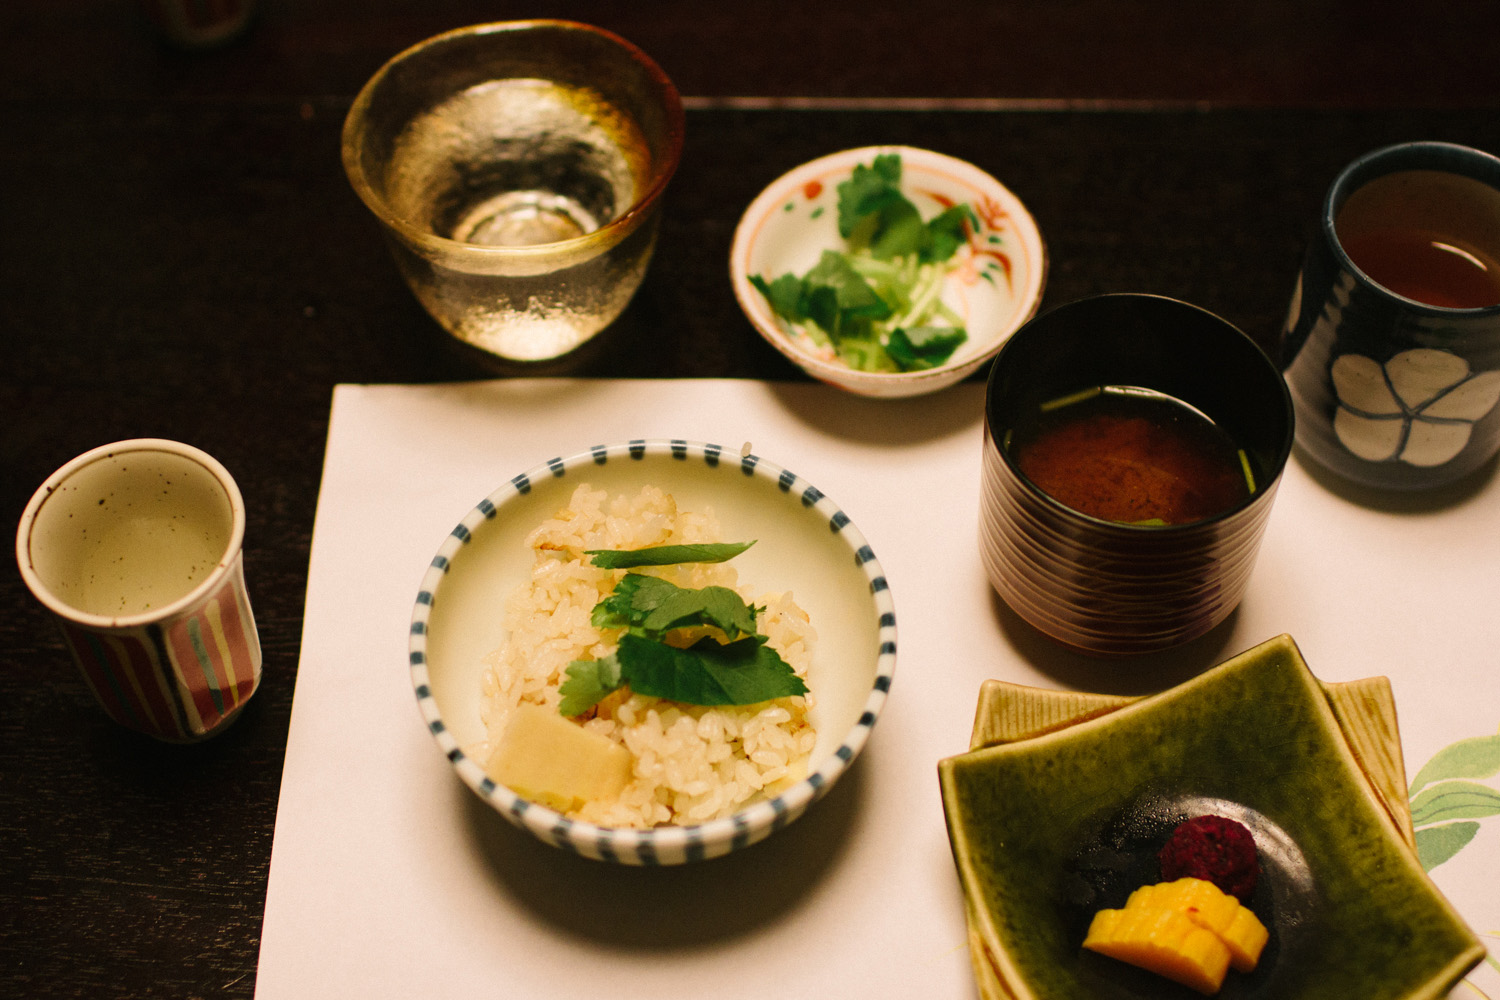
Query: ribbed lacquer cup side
1111	589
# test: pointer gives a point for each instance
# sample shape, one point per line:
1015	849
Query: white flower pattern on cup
1419	407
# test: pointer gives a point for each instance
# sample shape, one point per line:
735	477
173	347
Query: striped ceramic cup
135	547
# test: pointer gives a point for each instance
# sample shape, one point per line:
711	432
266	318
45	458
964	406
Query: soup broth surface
1132	455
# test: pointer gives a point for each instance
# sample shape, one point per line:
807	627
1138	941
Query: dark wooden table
182	257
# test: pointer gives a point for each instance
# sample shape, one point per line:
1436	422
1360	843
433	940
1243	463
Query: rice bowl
804	544
691	763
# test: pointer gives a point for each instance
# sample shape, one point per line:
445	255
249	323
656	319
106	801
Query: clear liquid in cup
521	163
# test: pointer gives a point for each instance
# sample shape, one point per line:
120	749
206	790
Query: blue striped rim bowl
804	543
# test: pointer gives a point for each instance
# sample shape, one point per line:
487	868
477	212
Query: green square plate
1062	812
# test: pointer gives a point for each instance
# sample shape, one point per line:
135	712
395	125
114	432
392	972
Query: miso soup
1132	455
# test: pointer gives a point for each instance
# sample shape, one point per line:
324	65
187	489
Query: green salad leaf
871	198
666	555
787	295
852	294
878	303
949	231
923	346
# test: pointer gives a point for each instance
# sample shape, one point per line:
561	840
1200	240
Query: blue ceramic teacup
1391	347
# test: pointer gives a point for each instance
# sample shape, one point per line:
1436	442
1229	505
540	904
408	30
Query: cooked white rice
690	763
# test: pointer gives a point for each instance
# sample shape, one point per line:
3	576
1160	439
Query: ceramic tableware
803	542
135	548
1392	341
1044	834
993	285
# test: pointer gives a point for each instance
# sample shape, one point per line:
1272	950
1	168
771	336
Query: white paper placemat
389	879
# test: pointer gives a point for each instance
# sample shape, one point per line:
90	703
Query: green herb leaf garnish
923	346
784	294
666	555
742	671
653	605
870	199
588	682
852	294
949	231
707	672
878	304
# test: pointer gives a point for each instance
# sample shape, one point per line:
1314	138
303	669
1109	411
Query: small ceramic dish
1064	814
994	285
803	543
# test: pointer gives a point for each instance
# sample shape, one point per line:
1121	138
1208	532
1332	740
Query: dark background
1282	54
181	256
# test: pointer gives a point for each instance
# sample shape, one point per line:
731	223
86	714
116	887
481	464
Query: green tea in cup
1427	235
1391	347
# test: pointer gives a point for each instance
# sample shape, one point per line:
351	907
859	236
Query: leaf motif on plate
1444	790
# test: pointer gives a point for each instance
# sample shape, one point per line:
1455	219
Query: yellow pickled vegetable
556	762
1213	909
1162	941
1187	930
1246	938
1204	903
